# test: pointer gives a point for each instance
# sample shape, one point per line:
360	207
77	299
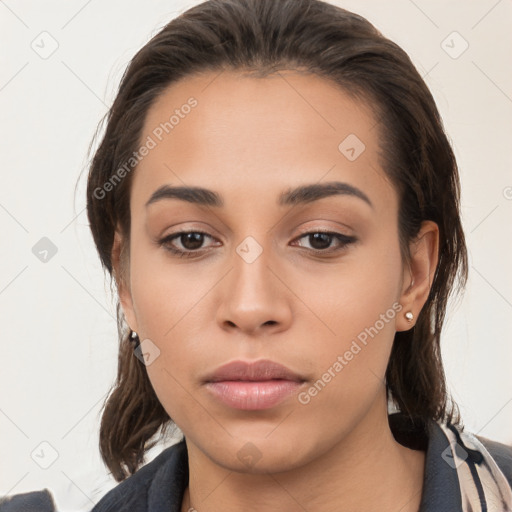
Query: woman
278	204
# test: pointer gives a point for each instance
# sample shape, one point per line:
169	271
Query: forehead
247	135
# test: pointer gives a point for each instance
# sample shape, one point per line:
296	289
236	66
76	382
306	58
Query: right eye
191	241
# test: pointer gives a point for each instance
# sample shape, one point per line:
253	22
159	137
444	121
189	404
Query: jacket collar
441	489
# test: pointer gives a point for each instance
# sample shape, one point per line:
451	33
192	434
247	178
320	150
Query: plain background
59	339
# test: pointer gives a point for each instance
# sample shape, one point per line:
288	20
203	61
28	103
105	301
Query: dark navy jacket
159	485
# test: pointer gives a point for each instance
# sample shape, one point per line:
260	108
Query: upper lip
253	371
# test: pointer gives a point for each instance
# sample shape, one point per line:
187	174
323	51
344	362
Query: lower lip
253	395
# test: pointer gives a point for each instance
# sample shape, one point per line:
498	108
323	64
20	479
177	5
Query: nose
255	298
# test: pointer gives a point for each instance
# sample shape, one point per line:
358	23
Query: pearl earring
134	338
409	316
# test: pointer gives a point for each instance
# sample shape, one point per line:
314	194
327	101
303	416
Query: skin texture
249	139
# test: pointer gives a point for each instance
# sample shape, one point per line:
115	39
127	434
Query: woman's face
259	284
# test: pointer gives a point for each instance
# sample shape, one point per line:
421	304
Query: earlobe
419	274
120	266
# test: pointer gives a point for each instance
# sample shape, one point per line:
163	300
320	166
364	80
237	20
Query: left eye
321	240
192	242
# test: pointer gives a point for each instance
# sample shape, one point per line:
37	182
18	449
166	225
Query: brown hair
262	37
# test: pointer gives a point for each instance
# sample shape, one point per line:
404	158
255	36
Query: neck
366	470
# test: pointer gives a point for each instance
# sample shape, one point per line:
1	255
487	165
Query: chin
257	455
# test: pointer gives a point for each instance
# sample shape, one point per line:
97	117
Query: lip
253	385
260	370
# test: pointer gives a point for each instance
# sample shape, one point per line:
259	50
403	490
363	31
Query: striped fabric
483	485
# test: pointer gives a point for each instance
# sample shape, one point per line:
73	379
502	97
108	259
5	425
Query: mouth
253	385
261	370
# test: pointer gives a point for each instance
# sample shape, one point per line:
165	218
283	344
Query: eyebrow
299	195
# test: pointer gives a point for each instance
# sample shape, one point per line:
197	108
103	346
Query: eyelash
344	241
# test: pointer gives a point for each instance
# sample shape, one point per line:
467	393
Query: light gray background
59	341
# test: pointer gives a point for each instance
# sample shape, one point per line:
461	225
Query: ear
120	265
419	273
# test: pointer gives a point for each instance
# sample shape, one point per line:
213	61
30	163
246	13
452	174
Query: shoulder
502	454
41	501
138	490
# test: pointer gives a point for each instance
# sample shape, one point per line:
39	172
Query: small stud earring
134	338
409	316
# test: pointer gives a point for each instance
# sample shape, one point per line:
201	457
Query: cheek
164	295
360	305
351	367
364	289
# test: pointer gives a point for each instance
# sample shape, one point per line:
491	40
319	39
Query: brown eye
320	241
191	242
